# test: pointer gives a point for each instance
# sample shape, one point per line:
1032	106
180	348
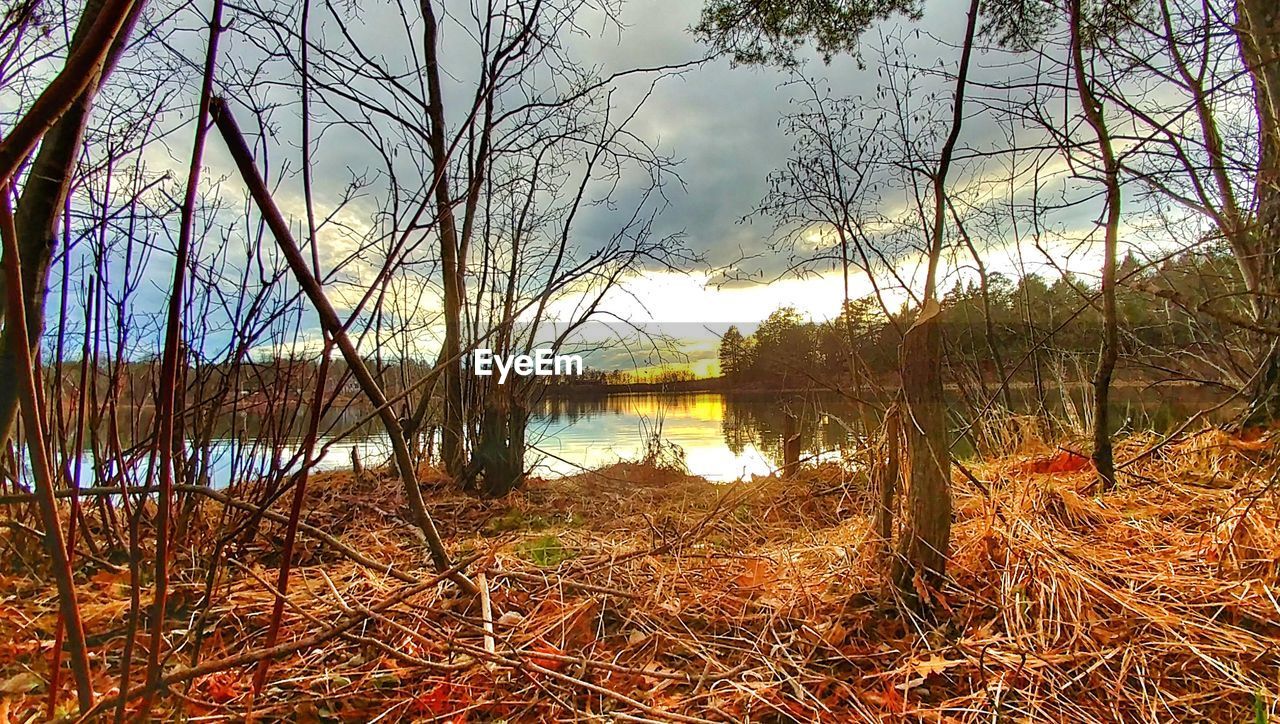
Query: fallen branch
330	322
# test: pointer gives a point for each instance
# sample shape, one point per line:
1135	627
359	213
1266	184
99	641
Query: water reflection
723	437
730	436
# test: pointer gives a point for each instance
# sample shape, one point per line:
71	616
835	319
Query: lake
722	437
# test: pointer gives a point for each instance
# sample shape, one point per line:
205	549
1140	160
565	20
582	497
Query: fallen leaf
21	683
936	664
220	687
1064	461
756	573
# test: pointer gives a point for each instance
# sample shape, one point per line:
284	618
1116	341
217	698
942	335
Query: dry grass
634	594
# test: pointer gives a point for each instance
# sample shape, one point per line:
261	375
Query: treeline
592	377
1178	318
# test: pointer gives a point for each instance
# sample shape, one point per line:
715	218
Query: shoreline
722	386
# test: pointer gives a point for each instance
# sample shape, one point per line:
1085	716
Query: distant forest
1033	330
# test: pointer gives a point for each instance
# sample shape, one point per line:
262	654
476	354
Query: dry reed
639	595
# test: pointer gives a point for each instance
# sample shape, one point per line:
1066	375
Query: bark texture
926	530
1258	25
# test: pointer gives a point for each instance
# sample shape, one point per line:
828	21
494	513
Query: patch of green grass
545	551
516	520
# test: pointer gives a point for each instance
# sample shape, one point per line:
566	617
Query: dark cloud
720	120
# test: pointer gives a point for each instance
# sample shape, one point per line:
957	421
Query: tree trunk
452	437
989	329
921	562
885	475
1258	23
167	439
27	381
243	158
41	202
926	529
499	454
1103	459
790	445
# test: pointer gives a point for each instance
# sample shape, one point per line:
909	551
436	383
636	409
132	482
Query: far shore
725	386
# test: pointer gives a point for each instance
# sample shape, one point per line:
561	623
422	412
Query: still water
728	437
720	437
717	436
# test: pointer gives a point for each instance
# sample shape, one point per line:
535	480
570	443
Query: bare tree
1102	454
57	121
764	31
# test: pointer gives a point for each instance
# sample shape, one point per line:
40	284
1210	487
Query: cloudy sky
724	123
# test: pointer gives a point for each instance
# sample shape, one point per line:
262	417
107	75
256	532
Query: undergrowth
642	593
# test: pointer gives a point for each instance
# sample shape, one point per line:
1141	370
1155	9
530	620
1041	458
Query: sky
723	122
